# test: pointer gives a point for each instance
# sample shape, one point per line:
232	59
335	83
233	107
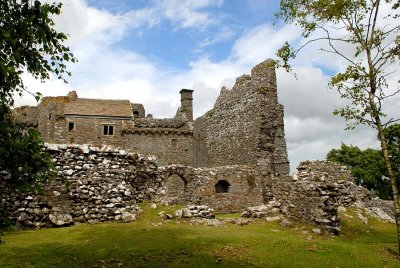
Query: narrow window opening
174	143
71	126
222	186
49	116
108	130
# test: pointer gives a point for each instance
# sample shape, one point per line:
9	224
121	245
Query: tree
28	43
374	41
367	167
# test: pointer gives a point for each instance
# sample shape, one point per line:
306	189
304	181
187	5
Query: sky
148	50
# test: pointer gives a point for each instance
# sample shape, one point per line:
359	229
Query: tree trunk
389	168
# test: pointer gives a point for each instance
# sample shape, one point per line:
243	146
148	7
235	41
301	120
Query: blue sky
146	51
175	45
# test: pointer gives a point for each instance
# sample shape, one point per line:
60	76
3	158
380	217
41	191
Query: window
135	114
108	130
71	126
49	116
222	186
174	143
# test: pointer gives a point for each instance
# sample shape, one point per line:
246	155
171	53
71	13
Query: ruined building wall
169	146
188	185
90	131
245	126
27	115
51	117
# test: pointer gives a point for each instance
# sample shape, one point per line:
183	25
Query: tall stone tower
187	103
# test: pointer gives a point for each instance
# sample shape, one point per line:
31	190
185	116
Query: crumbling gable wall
27	115
245	127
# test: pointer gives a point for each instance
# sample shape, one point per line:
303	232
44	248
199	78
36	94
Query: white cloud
188	13
106	72
261	42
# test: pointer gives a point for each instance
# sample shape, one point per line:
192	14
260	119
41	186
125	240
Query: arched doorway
176	188
222	186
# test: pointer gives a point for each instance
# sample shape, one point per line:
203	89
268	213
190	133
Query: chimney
72	95
187	103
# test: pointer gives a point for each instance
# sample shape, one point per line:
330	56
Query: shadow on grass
114	246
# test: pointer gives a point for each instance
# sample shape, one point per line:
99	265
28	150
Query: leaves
367	166
27	41
356	32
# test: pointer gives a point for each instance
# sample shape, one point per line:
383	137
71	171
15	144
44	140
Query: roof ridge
103	99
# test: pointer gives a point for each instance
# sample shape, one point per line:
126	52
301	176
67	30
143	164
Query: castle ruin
231	158
245	127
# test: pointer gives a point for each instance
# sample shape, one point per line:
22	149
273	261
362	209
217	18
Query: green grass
150	242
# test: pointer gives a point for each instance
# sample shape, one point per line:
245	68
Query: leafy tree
28	43
367	166
373	38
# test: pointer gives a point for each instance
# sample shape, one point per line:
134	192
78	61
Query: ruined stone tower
246	126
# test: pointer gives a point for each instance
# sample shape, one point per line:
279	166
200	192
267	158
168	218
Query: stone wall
89	130
27	115
169	139
91	185
245	127
104	184
188	185
50	117
169	147
313	194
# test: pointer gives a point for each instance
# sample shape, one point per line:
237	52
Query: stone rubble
195	211
270	209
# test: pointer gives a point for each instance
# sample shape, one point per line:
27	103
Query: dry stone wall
92	185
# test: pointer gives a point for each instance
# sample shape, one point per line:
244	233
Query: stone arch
222	186
176	187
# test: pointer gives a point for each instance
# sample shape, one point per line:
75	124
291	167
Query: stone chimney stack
187	103
72	95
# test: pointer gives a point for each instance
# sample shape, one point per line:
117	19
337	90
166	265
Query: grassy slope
146	244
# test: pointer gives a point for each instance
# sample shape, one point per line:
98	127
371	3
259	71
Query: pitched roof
98	107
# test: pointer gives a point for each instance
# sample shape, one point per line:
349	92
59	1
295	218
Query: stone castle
231	158
245	127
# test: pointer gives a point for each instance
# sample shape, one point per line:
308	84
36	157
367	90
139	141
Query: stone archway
176	189
222	186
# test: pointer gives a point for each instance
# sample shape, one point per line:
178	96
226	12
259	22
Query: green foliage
29	42
21	153
374	48
365	35
367	166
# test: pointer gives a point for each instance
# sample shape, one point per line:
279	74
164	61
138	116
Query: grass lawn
150	242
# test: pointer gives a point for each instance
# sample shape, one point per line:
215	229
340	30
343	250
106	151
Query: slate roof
98	107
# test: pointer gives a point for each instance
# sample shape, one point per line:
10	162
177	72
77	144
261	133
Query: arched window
222	186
